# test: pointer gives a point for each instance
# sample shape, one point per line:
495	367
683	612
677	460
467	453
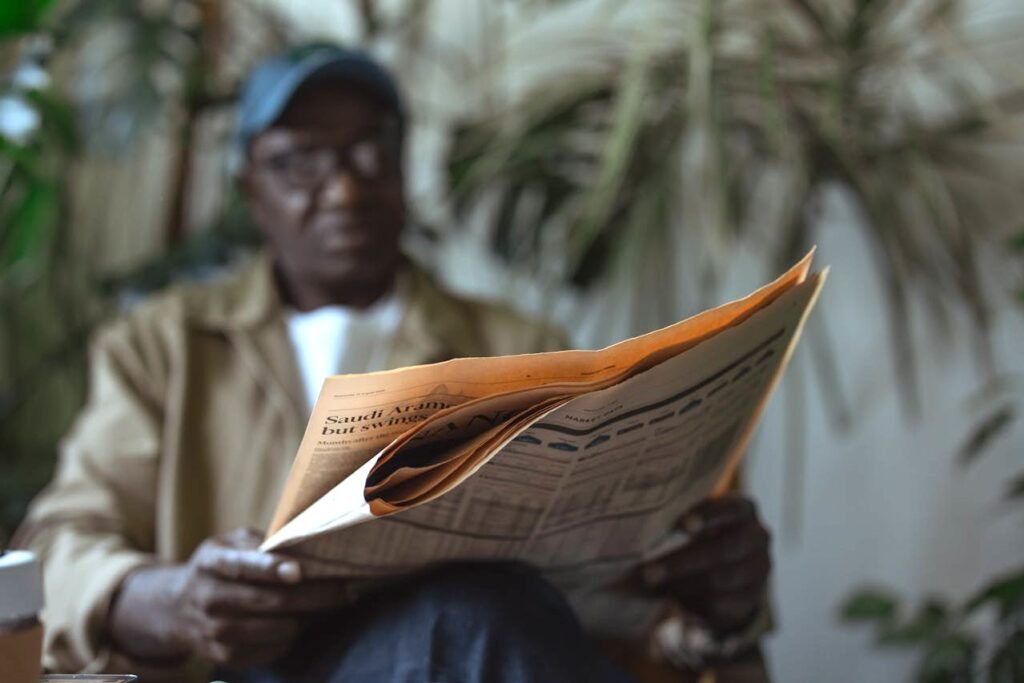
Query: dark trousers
473	623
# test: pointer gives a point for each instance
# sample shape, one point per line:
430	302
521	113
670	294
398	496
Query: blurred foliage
44	316
980	640
1002	400
131	67
131	60
21	16
730	121
205	254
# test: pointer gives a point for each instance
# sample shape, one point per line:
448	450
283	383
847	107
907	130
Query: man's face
325	184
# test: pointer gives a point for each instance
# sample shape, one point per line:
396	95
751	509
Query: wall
883	503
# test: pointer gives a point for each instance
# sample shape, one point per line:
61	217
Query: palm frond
879	98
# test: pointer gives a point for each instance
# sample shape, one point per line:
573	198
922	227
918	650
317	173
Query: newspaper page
628	396
358	416
588	489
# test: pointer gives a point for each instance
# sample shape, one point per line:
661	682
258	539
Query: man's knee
506	596
466	622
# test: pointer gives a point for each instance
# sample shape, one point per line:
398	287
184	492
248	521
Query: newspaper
578	462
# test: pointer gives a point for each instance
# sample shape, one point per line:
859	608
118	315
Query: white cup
21	601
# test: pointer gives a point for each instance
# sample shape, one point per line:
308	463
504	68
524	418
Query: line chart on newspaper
577	462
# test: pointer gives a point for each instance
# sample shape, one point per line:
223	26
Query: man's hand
230	603
722	571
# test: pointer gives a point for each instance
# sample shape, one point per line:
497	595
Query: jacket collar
435	324
243	300
246	307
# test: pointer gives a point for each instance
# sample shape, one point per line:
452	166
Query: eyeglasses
310	167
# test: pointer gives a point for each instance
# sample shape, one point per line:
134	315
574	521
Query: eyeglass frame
335	157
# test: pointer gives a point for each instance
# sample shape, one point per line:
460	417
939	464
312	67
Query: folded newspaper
578	462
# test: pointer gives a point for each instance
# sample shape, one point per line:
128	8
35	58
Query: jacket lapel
435	326
247	310
275	366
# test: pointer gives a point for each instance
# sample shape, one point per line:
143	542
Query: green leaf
504	240
984	432
1007	665
25	158
1017	242
869	605
1005	592
948	660
21	16
627	122
30	224
926	625
58	119
1015	490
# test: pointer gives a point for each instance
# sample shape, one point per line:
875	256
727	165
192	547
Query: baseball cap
273	82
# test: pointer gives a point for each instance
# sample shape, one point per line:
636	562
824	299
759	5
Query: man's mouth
343	237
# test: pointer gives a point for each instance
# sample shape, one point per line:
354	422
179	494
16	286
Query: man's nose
341	189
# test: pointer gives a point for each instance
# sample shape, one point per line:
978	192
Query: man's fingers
741	576
247	564
722	584
214	596
706	555
241	538
715	514
722	572
736	610
319	596
234	597
685	564
752	541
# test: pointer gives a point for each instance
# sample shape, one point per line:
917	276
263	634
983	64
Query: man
198	401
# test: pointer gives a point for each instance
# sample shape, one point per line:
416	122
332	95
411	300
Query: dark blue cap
273	82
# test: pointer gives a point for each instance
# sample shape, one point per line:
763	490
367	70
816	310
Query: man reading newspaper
150	531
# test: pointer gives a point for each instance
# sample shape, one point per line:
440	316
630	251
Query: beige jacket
196	408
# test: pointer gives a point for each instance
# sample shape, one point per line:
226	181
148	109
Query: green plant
721	123
982	638
1002	401
133	67
955	643
21	16
44	316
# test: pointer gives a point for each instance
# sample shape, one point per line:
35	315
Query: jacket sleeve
95	522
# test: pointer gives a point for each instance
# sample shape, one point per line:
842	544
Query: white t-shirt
335	340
